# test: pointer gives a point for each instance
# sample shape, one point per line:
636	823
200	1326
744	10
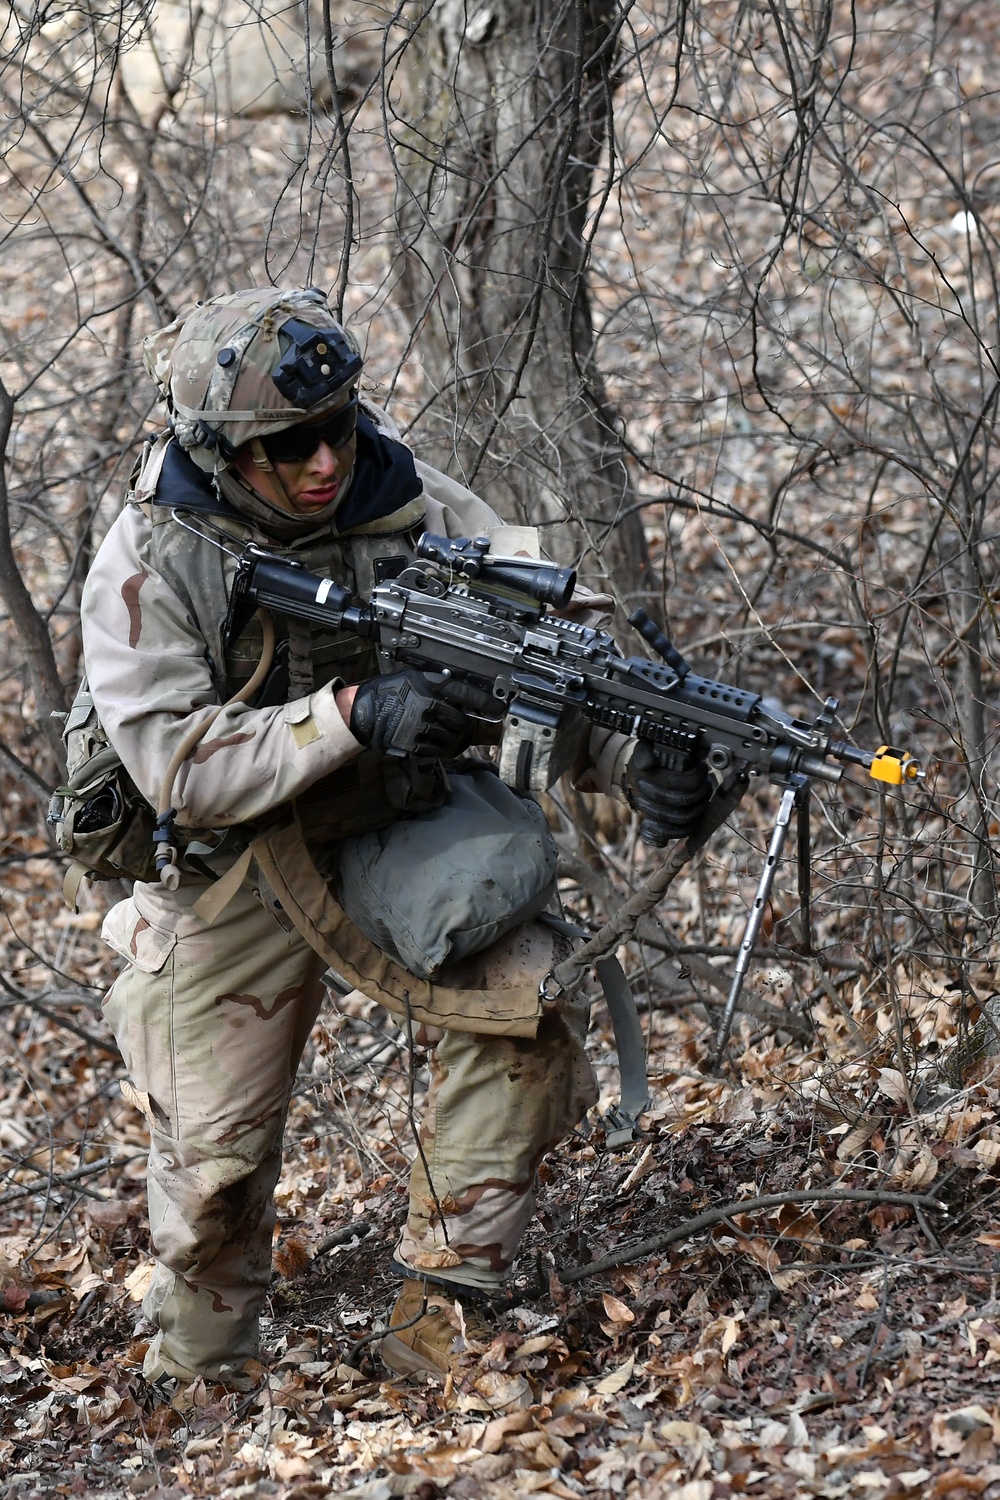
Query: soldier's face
310	485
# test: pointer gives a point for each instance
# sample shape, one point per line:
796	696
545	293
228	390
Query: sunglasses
296	444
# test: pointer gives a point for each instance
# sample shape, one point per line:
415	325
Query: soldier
297	839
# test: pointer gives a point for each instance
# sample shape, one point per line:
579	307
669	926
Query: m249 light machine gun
487	621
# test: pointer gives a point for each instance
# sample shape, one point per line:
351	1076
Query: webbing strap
621	1120
213	902
75	875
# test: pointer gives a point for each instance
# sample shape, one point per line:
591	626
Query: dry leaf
617	1310
566	1427
536	1345
494	1432
730	1334
797	1224
858	1137
988	1153
643	1166
136	1283
966	1419
685	1435
490	1466
500	1391
923	1171
788	1276
617	1380
110	1214
892	1084
952	1430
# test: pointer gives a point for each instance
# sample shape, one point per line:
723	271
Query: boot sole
402	1360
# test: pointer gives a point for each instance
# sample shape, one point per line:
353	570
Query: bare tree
505	160
710	291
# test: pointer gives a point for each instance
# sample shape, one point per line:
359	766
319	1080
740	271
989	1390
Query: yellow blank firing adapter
894	766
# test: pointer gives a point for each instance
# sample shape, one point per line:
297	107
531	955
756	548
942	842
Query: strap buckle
620	1128
549	989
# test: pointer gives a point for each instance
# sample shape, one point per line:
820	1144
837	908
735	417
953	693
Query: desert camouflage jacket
158	658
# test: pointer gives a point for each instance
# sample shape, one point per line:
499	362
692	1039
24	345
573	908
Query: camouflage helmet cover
215	368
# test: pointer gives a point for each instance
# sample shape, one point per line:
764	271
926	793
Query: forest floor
825	1347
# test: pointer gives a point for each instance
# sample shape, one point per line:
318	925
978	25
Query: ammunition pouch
99	817
306	899
392	909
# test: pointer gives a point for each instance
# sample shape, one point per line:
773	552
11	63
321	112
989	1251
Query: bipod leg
755	918
804	852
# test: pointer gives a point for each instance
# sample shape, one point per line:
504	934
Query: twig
772	1016
29	781
352	1357
344	1236
19	997
879	1325
84	1307
412	1118
642	1249
45	1184
50	1015
896	1345
622	925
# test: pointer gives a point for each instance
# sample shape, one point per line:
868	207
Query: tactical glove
670	802
406	712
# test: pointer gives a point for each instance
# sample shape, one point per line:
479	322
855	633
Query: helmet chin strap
262	462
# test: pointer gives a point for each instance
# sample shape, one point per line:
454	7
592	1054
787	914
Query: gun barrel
886	764
850	753
816	766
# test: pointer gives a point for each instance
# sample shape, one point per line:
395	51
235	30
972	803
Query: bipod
804	857
796	794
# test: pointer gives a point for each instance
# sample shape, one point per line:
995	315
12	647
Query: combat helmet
247	364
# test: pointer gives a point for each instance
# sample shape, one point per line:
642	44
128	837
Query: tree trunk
502	121
970	700
28	623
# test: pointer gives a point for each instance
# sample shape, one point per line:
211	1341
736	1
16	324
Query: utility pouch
98	817
306	899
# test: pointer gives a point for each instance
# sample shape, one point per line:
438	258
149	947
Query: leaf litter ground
822	1348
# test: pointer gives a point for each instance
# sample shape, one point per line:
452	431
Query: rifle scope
470	559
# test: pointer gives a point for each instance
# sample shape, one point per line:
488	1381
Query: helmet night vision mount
317	363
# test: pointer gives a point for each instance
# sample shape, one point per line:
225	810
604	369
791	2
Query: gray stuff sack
434	889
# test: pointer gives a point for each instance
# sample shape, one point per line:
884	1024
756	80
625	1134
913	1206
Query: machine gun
488	621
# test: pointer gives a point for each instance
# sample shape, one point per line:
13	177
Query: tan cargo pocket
137	940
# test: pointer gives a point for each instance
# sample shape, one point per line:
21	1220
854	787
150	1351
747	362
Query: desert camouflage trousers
212	1021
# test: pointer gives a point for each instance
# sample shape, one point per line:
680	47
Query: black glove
670	802
406	712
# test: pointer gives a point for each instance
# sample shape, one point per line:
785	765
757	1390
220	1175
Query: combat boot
428	1331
